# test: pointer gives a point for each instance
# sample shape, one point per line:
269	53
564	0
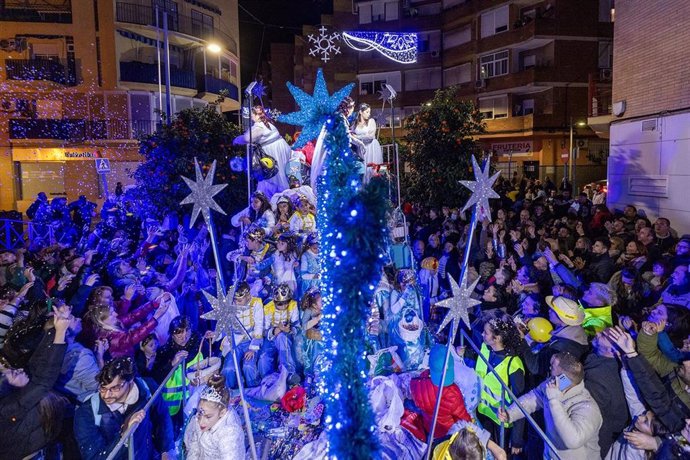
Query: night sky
279	21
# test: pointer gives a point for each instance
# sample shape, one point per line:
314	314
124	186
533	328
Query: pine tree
438	149
169	153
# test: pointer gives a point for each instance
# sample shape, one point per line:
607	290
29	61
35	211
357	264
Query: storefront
69	171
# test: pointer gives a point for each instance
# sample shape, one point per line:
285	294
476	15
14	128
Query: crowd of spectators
584	317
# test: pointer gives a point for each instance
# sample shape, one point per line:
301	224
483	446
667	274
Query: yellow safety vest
491	388
597	319
172	391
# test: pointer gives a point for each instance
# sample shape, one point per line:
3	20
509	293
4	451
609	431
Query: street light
214	48
571	155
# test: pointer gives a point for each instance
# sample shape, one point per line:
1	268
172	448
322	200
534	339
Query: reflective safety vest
172	391
597	319
491	388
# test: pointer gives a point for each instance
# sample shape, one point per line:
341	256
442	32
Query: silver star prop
224	312
459	305
481	189
202	194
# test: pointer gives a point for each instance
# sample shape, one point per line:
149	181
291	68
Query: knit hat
568	310
436	358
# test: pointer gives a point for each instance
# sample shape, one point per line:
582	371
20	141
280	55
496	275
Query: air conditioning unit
605	74
435	53
481	83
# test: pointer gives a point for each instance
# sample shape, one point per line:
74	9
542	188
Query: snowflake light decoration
324	44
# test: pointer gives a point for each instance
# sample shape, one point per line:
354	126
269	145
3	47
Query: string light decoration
314	109
352	225
400	47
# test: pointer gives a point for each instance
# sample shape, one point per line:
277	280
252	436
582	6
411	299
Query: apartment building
649	121
531	67
80	81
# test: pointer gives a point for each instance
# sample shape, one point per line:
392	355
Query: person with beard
678	292
682	252
119	404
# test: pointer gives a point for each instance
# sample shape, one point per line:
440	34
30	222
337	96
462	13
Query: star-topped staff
201	196
482	190
224	312
314	109
461	300
458	305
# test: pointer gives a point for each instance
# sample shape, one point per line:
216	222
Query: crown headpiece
209	393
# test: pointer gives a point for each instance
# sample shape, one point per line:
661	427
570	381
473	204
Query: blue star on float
314	109
224	312
458	305
482	190
202	194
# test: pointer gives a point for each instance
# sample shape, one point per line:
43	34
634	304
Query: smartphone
563	381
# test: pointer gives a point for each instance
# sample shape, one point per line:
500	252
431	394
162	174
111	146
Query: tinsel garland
352	225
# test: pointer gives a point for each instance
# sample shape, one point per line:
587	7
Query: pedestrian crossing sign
102	165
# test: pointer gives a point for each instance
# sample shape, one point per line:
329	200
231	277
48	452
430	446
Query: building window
525	107
606	10
202	25
364	14
449	3
457	37
429	42
373	82
423	79
493	65
494	107
457	75
378	12
605	54
391	9
494	21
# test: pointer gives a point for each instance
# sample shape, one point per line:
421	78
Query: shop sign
516	149
54	154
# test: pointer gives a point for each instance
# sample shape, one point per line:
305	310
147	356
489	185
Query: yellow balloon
267	162
540	329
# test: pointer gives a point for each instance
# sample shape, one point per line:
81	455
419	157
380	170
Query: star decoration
314	109
224	312
202	194
481	189
458	305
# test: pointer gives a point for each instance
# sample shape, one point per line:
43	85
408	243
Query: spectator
118	404
571	415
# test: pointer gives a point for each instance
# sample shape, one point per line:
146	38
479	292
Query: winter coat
604	384
122	343
571	421
452	409
659	383
20	420
96	440
225	440
600	269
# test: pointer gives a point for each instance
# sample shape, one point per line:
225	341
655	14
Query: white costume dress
275	146
372	148
225	440
320	153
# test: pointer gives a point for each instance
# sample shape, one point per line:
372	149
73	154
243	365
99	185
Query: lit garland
353	230
397	46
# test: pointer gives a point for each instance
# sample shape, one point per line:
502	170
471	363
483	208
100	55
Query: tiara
209	393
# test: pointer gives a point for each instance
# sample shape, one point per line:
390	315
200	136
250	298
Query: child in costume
281	323
312	339
215	432
251	315
310	268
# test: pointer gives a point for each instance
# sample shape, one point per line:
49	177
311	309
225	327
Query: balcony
41	69
131	13
28	11
210	84
77	129
141	72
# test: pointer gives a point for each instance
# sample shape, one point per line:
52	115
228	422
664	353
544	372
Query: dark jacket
571	339
154	435
20	420
602	380
599	269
